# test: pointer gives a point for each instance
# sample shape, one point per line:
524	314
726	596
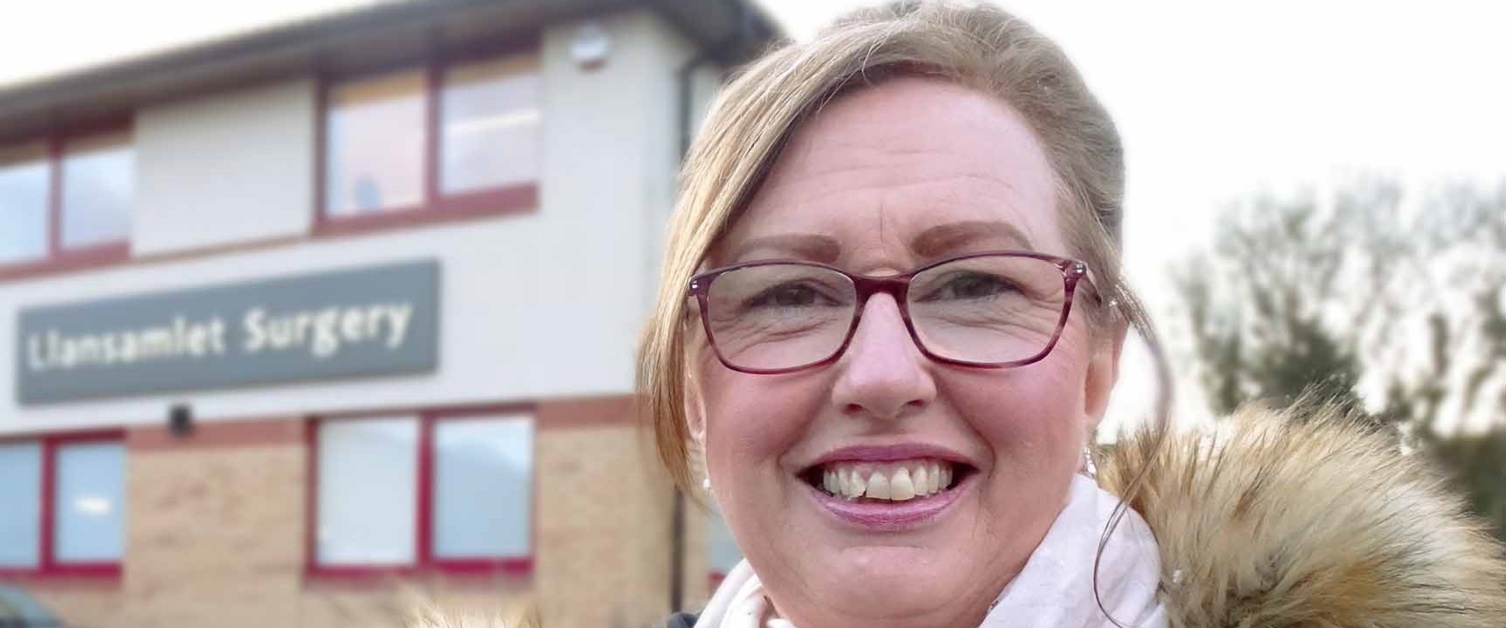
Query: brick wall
215	536
216	528
603	519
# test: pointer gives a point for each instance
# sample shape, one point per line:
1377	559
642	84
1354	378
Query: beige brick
603	530
215	536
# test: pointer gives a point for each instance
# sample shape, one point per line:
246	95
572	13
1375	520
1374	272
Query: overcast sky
1214	100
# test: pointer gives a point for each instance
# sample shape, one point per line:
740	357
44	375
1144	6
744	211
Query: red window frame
57	257
425	562
435	206
48	566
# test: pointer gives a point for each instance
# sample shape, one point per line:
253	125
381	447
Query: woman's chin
876	561
887	583
914	573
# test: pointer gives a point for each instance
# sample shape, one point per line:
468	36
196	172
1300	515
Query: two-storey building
304	320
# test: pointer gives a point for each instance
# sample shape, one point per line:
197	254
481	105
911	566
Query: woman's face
879	182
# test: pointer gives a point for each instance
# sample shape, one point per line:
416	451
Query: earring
1089	466
706	484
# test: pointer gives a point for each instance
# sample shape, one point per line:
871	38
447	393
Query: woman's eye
789	295
974	286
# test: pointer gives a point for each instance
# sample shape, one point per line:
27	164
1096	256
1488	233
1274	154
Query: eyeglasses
996	309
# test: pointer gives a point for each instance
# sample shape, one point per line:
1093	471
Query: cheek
751	421
1031	417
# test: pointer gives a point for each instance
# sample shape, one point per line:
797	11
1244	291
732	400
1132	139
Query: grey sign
380	320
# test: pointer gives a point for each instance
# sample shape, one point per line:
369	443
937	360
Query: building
306	321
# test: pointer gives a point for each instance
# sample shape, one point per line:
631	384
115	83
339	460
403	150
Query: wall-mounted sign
381	320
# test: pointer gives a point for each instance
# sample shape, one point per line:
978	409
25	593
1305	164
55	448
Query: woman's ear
695	405
1103	373
695	412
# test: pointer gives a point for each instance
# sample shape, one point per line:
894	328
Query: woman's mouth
898	481
889	495
888	481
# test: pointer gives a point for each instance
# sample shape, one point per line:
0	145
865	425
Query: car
18	609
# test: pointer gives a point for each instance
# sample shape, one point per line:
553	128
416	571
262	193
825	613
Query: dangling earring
1089	465
706	484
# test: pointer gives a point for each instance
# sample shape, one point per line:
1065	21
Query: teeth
901	488
856	486
891	481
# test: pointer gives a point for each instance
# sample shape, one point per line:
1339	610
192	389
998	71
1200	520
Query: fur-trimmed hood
1268	519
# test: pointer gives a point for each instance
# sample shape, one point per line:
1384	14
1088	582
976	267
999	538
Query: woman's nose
882	374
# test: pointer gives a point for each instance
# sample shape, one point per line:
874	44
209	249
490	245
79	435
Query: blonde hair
976	46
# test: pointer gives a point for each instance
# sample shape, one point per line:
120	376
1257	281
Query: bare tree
1393	305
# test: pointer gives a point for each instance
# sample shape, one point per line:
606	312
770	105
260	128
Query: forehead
903	171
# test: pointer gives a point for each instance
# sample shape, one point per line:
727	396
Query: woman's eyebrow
805	246
947	238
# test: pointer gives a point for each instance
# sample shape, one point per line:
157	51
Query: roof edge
729	30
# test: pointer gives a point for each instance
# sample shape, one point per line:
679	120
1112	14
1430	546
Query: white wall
244	158
533	305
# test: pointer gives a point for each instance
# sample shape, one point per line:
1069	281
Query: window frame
425	562
58	257
48	566
714	575
436	206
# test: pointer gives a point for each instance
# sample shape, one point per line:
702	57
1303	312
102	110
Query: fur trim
1270	519
440	619
427	614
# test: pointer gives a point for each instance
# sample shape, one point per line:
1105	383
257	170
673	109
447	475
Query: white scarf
1055	589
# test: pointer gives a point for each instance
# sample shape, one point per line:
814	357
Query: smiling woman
933	329
890	320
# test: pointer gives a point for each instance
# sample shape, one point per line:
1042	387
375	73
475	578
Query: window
98	188
724	554
376	145
446	491
482	474
67	199
21	486
23	204
441	140
62	506
368	491
490	117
